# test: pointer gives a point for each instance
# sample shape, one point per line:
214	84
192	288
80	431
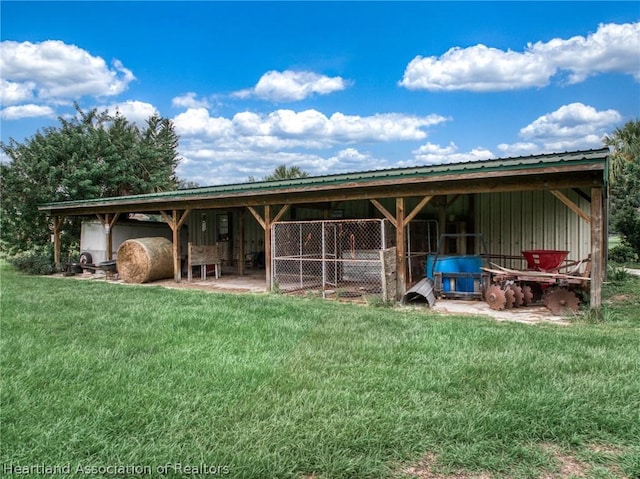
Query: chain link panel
332	258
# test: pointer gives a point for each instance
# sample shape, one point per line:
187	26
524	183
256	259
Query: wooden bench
203	255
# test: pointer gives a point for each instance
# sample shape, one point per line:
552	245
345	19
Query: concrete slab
529	314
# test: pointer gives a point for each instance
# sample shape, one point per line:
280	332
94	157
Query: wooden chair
203	255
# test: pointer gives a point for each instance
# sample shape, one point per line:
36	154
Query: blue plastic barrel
468	264
444	265
429	266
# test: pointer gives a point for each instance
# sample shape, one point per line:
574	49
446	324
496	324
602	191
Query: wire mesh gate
339	258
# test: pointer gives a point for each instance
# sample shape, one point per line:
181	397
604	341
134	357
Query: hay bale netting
142	260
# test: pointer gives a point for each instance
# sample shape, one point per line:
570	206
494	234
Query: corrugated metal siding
517	221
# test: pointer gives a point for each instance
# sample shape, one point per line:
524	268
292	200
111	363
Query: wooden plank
110	222
571	205
384	211
57	226
241	242
167	218
418	208
177	271
267	246
183	218
105	221
388	274
175	222
597	263
257	216
204	254
281	213
401	246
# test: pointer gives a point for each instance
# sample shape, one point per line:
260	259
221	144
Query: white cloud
13	92
220	150
197	122
520	149
210	166
477	68
309	128
26	111
571	127
571	124
53	70
292	86
189	100
612	49
432	154
135	111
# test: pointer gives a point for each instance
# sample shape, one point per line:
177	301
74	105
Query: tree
625	142
625	183
282	172
93	155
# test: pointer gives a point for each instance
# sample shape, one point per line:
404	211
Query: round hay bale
142	260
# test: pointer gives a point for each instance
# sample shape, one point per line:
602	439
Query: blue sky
329	86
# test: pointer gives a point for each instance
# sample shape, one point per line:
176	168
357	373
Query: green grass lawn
97	376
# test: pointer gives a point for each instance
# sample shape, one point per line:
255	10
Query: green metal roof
595	157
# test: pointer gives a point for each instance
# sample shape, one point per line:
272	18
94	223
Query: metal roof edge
496	164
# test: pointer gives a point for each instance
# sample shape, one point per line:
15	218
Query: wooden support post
597	255
401	246
177	269
108	223
442	223
265	222
175	222
241	241
57	226
267	246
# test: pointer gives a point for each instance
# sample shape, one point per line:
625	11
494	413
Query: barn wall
525	220
509	222
203	230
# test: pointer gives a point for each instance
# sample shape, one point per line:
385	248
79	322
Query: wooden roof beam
384	211
571	205
418	208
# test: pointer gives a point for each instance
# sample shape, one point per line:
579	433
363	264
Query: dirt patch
619	298
606	449
250	283
425	470
567	466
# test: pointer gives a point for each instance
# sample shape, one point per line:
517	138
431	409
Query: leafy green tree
93	155
625	142
284	172
625	182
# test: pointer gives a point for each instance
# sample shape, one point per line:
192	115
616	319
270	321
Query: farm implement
548	279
